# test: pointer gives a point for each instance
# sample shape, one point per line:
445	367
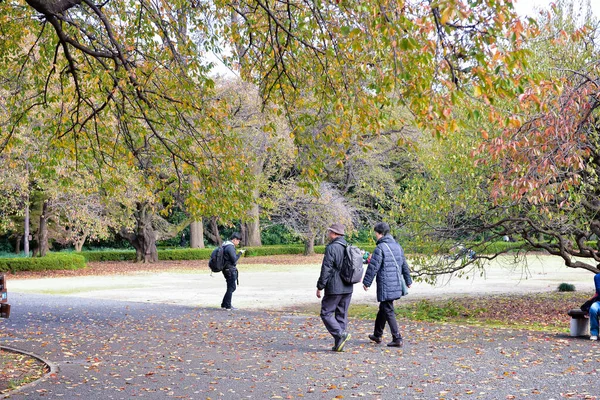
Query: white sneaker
593	337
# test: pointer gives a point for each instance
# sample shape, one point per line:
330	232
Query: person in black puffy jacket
389	265
335	303
230	272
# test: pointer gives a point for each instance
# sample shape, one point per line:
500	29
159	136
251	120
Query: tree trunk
197	235
18	244
309	245
213	232
244	234
253	227
43	231
253	221
321	240
146	250
143	239
79	242
26	224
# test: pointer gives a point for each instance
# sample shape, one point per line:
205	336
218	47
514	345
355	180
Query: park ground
281	282
509	301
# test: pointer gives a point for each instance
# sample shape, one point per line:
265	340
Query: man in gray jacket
335	303
393	278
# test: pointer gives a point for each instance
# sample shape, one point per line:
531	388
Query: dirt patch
538	310
17	370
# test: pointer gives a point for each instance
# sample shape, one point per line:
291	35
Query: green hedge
53	261
109	255
433	248
500	247
279	250
204	254
184	254
194	254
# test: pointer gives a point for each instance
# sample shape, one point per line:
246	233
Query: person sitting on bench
592	306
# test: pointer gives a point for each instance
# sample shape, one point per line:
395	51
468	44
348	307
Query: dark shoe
376	339
343	339
396	343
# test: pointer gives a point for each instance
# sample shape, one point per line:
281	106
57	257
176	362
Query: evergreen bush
566	287
53	261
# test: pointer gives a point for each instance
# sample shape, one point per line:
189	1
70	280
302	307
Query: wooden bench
580	323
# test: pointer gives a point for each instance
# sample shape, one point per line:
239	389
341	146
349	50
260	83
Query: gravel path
108	349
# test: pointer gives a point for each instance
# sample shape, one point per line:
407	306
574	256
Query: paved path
106	349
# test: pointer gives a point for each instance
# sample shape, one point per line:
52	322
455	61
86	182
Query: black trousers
231	278
387	314
334	313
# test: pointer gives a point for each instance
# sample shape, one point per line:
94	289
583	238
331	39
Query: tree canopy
122	93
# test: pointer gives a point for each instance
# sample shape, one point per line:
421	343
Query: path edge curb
53	370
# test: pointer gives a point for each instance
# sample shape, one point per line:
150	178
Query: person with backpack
393	278
335	303
230	272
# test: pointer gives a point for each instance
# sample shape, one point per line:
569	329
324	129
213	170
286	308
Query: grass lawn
541	311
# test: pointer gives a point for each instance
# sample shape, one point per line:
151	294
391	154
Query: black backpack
216	262
352	268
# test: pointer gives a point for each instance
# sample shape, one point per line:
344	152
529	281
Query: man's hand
365	287
319	293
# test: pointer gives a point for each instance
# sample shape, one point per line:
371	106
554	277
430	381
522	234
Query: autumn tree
309	215
122	85
545	184
263	132
534	177
336	65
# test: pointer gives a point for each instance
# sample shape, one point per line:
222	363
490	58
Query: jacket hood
228	243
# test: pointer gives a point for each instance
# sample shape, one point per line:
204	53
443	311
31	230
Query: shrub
500	247
278	235
109	255
185	254
279	250
566	287
53	261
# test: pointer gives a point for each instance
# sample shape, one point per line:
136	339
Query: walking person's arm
406	273
326	270
373	268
